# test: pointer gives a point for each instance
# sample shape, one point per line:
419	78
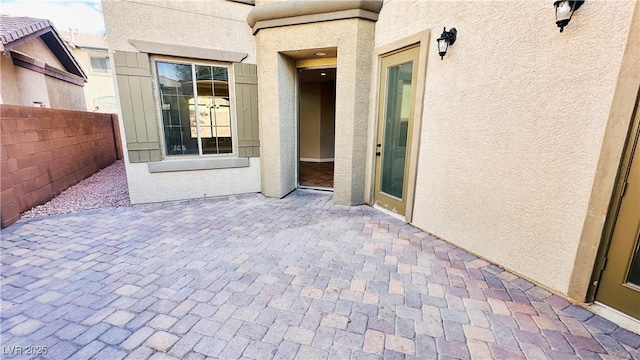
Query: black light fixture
446	38
564	11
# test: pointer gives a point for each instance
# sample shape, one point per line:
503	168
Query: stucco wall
180	185
216	24
98	84
37	49
22	86
64	95
9	90
513	124
277	96
32	86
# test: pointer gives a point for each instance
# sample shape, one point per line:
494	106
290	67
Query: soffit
309	11
311	53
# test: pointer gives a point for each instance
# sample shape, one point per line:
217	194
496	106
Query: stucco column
277	102
352	112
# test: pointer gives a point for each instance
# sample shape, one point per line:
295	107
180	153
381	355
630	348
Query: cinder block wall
44	151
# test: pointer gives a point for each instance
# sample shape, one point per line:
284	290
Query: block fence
45	151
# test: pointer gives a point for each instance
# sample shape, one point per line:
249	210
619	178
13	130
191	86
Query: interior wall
328	120
310	120
317	121
511	134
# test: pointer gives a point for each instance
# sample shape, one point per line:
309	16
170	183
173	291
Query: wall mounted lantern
446	38
564	11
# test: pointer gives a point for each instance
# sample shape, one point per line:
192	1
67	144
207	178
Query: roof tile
13	28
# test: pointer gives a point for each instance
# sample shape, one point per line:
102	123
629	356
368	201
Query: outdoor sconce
446	38
564	11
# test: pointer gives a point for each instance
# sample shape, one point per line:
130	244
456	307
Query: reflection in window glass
200	122
634	271
398	109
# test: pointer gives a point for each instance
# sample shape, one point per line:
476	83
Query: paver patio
260	278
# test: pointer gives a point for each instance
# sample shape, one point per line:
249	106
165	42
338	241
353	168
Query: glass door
398	76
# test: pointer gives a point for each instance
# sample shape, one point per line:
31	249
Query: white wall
512	127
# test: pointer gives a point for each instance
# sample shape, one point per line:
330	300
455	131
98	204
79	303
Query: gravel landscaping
106	188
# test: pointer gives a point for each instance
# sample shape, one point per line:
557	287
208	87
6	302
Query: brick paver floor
261	278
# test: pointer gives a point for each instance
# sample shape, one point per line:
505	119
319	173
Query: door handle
378	145
378	153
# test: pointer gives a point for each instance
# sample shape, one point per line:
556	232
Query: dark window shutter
138	109
246	83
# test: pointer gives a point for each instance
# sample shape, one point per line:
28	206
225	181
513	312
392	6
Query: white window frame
100	55
232	105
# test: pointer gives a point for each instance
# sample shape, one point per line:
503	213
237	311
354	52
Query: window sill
197	164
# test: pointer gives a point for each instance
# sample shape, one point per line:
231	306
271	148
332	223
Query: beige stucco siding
513	124
9	90
353	39
21	86
33	87
64	95
179	185
216	24
37	49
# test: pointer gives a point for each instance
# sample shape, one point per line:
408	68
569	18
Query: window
100	64
196	114
106	103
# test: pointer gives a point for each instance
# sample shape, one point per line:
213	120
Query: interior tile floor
316	174
259	278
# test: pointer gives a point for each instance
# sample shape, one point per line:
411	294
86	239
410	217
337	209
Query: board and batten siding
246	84
138	109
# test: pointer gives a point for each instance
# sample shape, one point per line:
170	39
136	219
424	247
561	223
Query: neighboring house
37	68
93	55
509	145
